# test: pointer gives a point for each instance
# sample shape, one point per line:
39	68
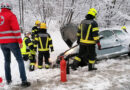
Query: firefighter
44	42
124	28
34	33
87	39
28	51
35	29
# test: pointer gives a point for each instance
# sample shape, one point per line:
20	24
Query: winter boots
75	65
91	67
31	67
47	66
25	84
9	82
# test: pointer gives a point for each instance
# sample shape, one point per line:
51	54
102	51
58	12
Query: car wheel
129	54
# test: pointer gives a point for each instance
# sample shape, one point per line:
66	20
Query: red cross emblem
1	80
1	20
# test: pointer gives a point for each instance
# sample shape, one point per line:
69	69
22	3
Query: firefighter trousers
46	55
30	57
87	52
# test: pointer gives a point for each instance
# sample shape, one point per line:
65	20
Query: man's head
37	23
6	5
43	26
93	12
28	34
124	28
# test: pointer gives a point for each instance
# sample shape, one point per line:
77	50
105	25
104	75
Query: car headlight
69	52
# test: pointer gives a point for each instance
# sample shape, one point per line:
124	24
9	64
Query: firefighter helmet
6	5
43	26
123	27
92	11
37	22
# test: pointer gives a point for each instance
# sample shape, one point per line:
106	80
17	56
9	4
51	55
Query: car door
109	44
121	35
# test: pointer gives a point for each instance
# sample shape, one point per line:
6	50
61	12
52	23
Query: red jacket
9	27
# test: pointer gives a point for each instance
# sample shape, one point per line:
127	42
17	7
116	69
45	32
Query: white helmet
27	33
6	5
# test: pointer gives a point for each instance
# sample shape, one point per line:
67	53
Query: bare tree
21	11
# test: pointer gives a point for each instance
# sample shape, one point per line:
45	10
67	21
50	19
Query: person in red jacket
10	41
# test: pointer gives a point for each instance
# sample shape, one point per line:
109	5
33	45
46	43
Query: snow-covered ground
112	74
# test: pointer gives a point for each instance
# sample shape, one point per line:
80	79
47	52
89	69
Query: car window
106	33
120	34
108	39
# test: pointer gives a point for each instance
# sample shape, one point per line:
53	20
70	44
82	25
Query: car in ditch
114	43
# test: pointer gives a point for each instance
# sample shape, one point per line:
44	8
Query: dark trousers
46	55
14	48
87	52
25	57
31	58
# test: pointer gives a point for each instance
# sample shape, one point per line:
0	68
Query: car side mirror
101	37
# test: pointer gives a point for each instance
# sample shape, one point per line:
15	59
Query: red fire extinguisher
63	69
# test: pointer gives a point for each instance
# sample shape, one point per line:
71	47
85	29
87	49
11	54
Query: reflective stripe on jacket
88	32
34	32
27	46
44	42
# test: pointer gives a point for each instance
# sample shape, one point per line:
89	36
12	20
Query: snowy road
112	74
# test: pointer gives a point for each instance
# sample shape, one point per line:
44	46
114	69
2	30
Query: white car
114	43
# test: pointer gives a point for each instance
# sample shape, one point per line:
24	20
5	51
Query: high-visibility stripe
51	45
77	58
47	49
23	49
6	32
10	37
96	38
41	43
35	29
30	44
88	41
50	39
78	34
32	63
35	45
91	61
89	27
79	27
95	29
47	66
36	39
25	53
39	66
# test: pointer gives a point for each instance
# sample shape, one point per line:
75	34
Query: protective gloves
99	46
